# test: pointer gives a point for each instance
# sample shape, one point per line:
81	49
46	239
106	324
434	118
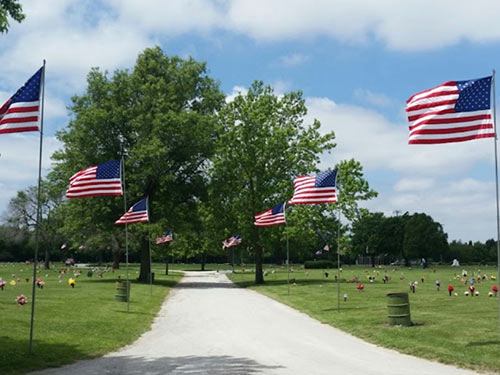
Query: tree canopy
12	9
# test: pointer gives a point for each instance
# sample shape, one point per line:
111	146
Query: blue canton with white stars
30	92
108	170
139	206
278	209
473	95
326	179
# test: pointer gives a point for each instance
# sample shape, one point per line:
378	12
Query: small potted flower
40	283
21	300
450	289
472	288
2	284
438	284
360	287
71	282
494	289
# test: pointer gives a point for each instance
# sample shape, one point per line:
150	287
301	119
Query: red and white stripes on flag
273	216
455	111
102	179
21	112
138	213
315	189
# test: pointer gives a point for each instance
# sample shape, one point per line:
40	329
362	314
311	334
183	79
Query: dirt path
208	326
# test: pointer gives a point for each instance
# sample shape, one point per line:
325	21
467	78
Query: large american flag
102	179
138	213
452	112
21	112
315	189
232	241
164	239
274	216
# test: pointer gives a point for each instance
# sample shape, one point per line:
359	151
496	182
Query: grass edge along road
458	330
73	323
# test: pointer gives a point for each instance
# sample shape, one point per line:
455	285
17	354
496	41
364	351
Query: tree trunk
46	263
259	276
145	265
203	261
116	260
166	265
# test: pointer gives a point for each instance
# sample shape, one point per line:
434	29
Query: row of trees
207	166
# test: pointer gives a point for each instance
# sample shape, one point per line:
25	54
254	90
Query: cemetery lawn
73	324
457	330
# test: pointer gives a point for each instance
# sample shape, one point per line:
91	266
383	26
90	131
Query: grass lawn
456	330
72	324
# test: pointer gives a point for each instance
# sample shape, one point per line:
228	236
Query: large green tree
263	145
162	115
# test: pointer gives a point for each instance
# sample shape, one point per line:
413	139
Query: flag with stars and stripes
168	237
274	216
102	179
232	241
138	213
315	189
21	112
455	111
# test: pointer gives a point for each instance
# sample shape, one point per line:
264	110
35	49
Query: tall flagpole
287	252
496	183
338	262
150	261
126	230
38	212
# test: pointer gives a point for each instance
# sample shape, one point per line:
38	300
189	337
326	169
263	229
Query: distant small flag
21	112
315	189
102	179
325	249
138	213
452	112
274	216
232	241
164	239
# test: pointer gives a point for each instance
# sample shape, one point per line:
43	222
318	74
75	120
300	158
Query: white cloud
19	153
414	184
293	60
375	99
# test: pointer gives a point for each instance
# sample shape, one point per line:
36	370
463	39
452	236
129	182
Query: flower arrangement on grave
450	289
22	300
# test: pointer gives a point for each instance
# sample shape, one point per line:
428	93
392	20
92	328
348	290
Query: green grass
72	324
458	330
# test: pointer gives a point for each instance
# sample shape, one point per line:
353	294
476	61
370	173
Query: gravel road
209	326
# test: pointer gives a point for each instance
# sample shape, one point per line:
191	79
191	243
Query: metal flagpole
496	183
287	252
126	230
338	262
38	211
150	262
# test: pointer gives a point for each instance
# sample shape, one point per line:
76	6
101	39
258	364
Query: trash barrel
398	305
122	290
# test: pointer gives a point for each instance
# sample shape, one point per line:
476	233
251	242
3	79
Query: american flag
166	238
315	189
274	216
102	179
21	113
232	241
138	213
324	250
452	112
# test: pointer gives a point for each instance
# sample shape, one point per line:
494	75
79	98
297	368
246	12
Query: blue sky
356	63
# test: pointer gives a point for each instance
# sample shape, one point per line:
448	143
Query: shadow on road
192	365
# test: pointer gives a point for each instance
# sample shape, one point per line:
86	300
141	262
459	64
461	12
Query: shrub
319	264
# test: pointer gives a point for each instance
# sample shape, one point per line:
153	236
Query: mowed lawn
73	323
456	330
